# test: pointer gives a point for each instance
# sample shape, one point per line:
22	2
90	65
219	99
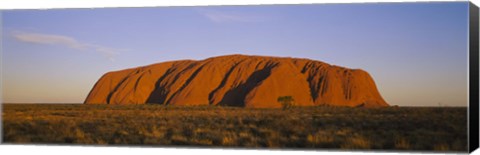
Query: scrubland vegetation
392	128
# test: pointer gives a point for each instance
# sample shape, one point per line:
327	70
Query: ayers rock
238	80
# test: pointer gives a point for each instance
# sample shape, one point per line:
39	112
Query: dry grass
422	129
356	142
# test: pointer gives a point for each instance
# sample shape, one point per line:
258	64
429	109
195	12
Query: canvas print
366	76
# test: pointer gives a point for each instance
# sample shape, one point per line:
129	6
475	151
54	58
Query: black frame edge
473	78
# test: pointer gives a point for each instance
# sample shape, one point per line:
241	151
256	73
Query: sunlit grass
434	129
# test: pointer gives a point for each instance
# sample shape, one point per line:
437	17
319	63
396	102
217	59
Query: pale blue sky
416	52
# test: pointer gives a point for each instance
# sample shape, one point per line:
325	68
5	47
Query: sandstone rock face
238	80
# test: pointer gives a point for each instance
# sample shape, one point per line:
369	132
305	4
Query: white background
89	150
43	4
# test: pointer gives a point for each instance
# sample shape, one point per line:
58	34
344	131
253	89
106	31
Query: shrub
286	101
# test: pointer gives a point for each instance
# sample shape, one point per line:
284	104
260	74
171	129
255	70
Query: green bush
286	101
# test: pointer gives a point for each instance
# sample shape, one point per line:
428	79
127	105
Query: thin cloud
48	39
52	39
221	16
110	53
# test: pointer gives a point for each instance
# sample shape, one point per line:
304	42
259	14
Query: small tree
286	101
